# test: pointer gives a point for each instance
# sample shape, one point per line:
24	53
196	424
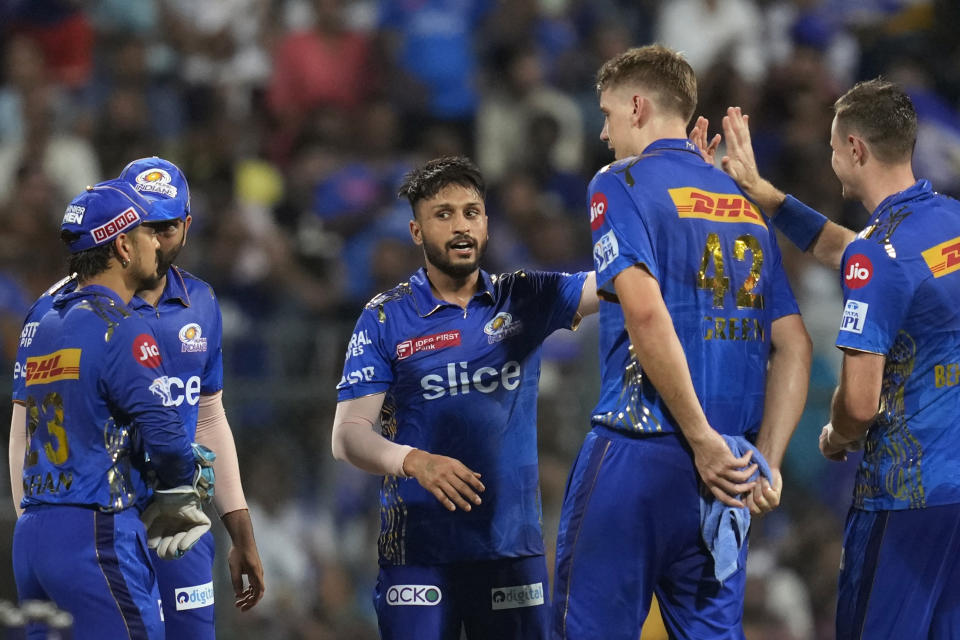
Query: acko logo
418	595
116	226
854	316
858	272
173	391
516	597
459	380
598	210
194	597
146	351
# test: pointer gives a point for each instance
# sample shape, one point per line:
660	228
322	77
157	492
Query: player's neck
114	278
885	182
152	295
657	129
450	289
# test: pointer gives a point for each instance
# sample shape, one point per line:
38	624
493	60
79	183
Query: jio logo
858	272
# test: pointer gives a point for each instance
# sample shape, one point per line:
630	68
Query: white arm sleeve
213	432
356	438
18	447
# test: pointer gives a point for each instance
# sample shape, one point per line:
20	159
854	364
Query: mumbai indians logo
155	181
191	340
501	327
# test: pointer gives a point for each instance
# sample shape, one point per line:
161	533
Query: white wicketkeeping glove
175	521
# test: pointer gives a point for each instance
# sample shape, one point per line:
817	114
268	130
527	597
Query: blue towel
724	529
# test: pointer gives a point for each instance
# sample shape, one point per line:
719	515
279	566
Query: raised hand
450	481
739	161
698	136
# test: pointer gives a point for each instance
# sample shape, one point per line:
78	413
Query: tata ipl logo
195	597
417	595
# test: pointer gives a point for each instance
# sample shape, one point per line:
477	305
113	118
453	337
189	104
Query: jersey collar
91	289
175	290
672	144
427	303
919	189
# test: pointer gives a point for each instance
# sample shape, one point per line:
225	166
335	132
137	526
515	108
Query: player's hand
726	476
450	481
833	447
244	560
698	136
739	162
765	497
175	521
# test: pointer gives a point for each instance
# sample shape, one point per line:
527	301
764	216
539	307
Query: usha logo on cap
115	227
155	181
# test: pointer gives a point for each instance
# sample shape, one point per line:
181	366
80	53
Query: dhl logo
59	365
943	258
719	207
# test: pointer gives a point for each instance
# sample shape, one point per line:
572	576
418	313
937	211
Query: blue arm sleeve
798	222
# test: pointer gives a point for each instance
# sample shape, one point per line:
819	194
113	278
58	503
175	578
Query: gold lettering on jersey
59	365
719	207
943	258
946	375
746	329
40	483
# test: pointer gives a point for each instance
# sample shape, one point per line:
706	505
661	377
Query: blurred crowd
295	120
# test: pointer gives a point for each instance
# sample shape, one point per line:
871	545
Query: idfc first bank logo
416	595
194	597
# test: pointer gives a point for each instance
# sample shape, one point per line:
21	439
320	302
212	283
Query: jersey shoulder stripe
378	302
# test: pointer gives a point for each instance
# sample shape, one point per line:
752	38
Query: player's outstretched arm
660	353
243	559
806	228
855	403
788	375
15	452
357	440
589	302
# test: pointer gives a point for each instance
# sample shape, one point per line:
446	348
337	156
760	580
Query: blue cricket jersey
720	273
189	329
901	284
88	372
461	383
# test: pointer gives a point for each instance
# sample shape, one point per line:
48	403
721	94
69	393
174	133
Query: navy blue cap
161	182
104	211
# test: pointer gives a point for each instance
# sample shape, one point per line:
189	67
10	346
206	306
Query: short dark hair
883	114
89	262
428	180
657	68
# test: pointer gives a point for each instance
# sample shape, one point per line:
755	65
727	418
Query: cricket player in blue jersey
898	395
89	372
439	395
701	350
185	315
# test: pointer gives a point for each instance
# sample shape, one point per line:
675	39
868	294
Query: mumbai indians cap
161	182
104	211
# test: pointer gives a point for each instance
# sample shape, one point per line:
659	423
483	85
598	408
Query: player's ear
123	249
859	150
641	110
415	232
